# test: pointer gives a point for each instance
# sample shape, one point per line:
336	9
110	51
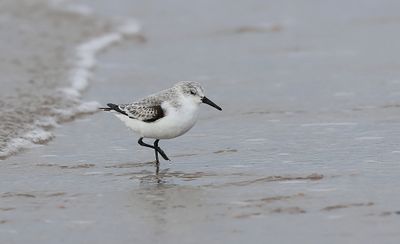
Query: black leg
156	152
157	148
157	168
157	161
160	150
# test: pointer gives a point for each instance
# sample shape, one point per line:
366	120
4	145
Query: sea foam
85	60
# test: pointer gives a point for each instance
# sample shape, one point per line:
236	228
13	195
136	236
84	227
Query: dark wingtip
111	106
115	107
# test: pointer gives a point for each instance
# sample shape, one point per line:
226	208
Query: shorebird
164	115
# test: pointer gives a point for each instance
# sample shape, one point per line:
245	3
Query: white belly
173	124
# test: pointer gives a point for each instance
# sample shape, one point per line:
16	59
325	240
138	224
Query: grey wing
146	112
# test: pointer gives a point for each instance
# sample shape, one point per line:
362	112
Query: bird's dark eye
192	92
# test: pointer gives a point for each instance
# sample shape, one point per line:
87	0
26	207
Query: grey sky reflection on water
168	209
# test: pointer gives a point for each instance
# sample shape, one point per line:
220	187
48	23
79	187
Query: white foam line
87	52
86	60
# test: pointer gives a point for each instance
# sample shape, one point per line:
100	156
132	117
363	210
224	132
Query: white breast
176	122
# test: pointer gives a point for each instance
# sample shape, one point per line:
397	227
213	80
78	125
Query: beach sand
304	151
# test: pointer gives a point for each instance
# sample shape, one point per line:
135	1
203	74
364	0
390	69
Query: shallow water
305	150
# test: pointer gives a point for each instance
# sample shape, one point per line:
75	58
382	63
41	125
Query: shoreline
82	59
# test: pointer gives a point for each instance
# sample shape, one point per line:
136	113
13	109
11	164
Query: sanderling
164	115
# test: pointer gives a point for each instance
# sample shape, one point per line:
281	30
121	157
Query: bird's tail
110	107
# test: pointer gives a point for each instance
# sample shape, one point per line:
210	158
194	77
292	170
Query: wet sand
305	150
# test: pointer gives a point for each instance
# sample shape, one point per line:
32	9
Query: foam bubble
38	136
35	136
14	146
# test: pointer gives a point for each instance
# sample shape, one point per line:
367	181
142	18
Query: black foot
155	147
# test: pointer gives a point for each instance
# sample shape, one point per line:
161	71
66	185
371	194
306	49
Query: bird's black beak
209	102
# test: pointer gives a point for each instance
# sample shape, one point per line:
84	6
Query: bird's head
194	91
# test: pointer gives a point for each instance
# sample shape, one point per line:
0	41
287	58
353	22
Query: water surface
305	150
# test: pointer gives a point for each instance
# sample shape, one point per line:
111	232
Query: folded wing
146	112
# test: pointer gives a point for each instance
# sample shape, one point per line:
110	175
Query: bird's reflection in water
166	209
166	176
